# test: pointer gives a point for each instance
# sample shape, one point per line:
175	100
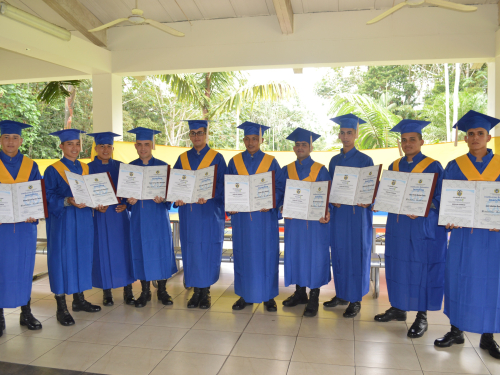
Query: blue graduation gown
70	235
256	241
351	237
17	248
202	228
307	242
415	252
151	237
472	277
112	267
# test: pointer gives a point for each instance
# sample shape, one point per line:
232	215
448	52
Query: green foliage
55	90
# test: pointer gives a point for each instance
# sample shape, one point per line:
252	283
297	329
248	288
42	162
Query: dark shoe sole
204	307
459	341
494	354
30	327
326	304
237	308
130	303
108	304
295	304
416	336
310	314
391	320
271	309
193	306
78	310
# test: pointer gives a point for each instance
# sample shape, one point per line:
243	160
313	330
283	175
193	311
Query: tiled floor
161	339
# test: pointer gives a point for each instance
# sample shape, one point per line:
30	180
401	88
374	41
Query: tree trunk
455	98
69	105
208	93
447	88
237	129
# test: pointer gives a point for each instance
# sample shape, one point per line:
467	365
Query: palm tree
61	89
379	119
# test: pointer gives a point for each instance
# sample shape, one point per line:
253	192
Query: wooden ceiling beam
284	13
80	18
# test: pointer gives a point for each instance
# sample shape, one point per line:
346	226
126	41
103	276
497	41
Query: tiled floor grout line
295	344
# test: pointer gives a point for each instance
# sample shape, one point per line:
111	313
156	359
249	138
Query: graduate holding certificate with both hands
472	277
307	242
255	234
202	223
415	247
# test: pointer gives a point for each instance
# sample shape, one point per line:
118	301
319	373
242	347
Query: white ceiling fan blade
163	27
387	13
452	6
109	24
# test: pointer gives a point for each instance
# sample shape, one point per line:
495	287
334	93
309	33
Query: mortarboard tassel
260	134
154	143
456	136
310	142
399	148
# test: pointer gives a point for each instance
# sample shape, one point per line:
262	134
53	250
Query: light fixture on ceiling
33	21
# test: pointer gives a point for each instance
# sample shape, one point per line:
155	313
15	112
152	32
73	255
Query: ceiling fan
414	3
137	18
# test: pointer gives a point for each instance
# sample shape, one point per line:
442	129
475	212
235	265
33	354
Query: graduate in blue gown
70	231
256	234
112	266
307	242
202	223
472	276
18	241
350	228
415	247
153	255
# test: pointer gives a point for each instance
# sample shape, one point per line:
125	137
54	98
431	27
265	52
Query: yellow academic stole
419	168
60	168
264	165
22	176
313	174
491	172
205	163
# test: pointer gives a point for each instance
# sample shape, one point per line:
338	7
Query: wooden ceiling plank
284	13
187	6
81	18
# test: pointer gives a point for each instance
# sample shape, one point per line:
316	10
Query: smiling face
71	149
144	149
477	139
10	143
252	143
347	137
104	152
411	143
302	150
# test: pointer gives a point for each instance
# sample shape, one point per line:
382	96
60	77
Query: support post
107	101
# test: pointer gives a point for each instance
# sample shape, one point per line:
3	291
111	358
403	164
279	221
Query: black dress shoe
271	305
162	293
107	297
313	304
241	304
352	310
194	301
205	298
455	336
80	304
391	314
145	294
335	301
2	322
419	327
488	343
297	298
128	295
27	319
63	316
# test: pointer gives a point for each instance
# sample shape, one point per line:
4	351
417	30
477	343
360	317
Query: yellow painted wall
444	152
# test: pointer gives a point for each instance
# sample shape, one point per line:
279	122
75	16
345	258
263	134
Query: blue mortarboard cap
473	119
12	127
104	138
144	134
251	128
302	135
410	126
348	121
196	124
68	134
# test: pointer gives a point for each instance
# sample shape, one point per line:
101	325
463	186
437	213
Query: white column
107	102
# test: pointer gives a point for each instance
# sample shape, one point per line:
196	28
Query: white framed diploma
249	193
306	200
406	193
487	210
21	201
352	186
93	189
190	186
143	183
457	206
